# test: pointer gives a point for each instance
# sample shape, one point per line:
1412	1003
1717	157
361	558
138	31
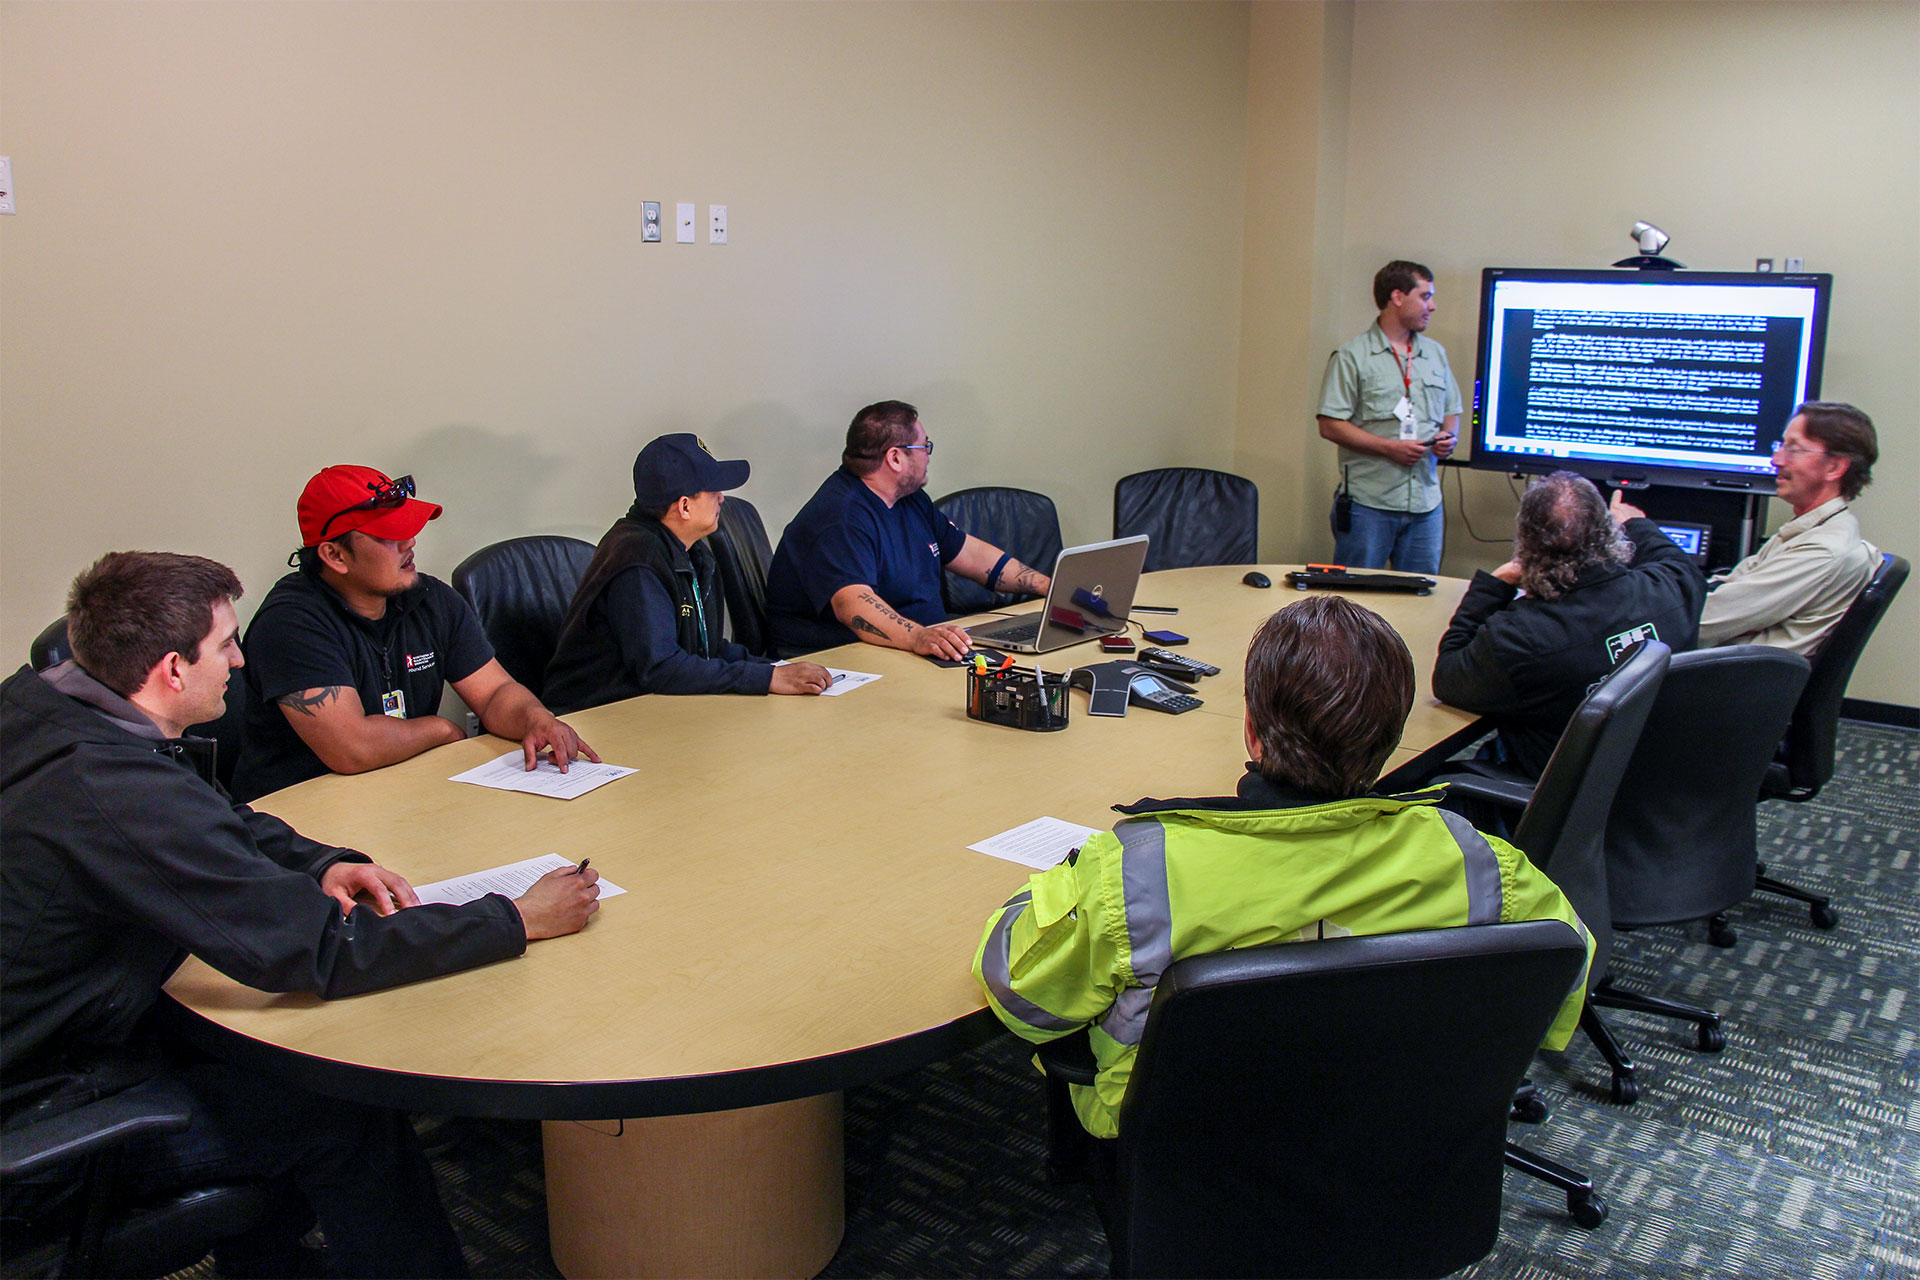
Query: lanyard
1406	369
700	613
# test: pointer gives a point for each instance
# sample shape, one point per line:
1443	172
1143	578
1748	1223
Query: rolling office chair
1805	760
1019	521
99	1231
222	736
1236	1157
1190	515
1682	833
521	589
1564	825
742	552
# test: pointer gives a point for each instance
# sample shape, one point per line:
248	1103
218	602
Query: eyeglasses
928	446
392	493
1798	451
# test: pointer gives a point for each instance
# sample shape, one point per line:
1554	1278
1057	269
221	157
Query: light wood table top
802	905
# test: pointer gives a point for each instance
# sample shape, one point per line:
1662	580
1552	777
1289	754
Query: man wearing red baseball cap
347	655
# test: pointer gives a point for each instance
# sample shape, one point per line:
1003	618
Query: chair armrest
47	1144
1508	793
1070	1058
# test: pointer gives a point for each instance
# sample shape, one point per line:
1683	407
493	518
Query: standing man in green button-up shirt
1390	402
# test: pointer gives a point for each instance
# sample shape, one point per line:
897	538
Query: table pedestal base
748	1193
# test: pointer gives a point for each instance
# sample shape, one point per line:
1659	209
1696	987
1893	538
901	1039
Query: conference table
801	912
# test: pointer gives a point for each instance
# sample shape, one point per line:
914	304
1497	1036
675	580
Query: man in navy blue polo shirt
862	560
346	657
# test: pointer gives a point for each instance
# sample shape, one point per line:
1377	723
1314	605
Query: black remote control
1167	657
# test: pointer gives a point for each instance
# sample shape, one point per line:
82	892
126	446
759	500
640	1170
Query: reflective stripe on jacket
1084	944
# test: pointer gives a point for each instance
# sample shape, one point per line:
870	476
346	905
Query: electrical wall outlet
716	224
650	221
6	184
683	224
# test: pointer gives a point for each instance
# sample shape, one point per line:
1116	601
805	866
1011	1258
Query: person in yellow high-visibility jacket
1301	852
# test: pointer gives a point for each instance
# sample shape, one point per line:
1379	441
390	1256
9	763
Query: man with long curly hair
1586	583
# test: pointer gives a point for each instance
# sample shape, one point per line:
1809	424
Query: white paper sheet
843	681
509	773
1039	844
513	880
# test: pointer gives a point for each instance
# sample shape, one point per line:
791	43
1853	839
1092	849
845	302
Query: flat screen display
1672	377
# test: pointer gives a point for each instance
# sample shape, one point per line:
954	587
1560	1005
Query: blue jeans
1411	542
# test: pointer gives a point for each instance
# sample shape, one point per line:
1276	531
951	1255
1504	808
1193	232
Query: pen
1155	608
583	865
838	676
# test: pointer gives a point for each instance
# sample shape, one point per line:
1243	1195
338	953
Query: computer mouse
1257	579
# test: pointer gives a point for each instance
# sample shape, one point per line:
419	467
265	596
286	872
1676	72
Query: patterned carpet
1794	1153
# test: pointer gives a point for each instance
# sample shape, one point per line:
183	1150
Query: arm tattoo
885	610
861	624
1028	580
308	701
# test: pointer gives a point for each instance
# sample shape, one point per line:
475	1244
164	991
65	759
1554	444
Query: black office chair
1563	827
1681	836
1333	1108
1015	520
742	553
1190	515
521	589
96	1230
1804	762
224	735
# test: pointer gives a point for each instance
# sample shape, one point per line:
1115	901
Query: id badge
394	704
1409	425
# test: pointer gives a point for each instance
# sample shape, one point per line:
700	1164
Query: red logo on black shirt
420	661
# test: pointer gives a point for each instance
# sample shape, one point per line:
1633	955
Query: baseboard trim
1888	713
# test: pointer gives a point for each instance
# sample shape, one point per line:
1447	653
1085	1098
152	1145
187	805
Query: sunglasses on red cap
386	494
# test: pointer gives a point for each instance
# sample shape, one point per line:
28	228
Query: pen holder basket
1018	698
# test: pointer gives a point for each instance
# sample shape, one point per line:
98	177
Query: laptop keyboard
1016	635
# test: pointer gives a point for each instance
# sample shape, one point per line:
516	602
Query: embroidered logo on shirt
934	547
420	661
1617	645
686	611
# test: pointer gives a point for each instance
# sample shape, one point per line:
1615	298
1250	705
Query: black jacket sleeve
1468	672
167	851
641	613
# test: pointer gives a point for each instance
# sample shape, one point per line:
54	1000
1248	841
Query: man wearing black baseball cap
647	615
347	655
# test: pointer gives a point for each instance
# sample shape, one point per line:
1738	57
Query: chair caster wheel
1588	1211
1711	1038
1823	914
1529	1110
1625	1091
1719	934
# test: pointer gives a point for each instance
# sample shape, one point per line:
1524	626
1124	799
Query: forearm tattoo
309	701
859	623
886	612
1028	580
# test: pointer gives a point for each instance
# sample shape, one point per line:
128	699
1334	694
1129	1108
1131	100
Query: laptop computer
1092	591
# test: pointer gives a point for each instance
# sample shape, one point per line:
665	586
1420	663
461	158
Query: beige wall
257	239
1535	134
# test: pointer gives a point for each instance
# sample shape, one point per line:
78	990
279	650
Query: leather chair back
1190	516
1333	1108
1015	520
1681	834
1563	830
1805	761
50	647
521	589
742	553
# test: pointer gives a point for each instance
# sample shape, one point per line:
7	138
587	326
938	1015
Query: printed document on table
1039	844
509	773
512	880
843	681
